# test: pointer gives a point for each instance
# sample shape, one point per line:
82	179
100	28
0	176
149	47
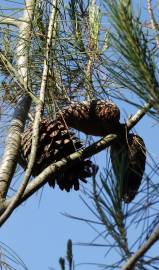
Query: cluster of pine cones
98	118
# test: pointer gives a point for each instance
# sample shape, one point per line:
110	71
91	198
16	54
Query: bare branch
10	21
139	114
141	251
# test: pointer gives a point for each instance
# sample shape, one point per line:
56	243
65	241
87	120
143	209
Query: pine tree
69	66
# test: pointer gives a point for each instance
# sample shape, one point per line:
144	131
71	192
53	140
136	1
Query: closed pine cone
128	162
55	143
96	117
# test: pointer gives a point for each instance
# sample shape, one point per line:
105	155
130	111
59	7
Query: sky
38	230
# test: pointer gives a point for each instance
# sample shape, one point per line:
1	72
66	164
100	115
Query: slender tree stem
154	24
39	109
10	21
9	159
139	115
129	265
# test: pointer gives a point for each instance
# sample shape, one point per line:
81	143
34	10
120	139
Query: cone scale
56	142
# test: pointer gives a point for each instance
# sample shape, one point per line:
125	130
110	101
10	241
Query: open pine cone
96	117
128	162
55	143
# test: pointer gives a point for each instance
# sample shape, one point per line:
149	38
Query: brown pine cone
80	171
128	162
55	143
97	117
106	116
77	115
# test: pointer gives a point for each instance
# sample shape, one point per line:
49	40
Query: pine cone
55	143
128	162
79	171
97	117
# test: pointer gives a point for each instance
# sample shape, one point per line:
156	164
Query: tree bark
12	144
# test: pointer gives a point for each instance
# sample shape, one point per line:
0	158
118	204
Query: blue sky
38	231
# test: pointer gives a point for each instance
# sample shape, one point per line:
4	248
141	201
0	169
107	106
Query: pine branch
69	161
136	69
61	165
139	114
106	221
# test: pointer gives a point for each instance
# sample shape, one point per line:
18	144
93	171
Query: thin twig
89	83
154	24
17	76
10	21
106	222
129	265
139	114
